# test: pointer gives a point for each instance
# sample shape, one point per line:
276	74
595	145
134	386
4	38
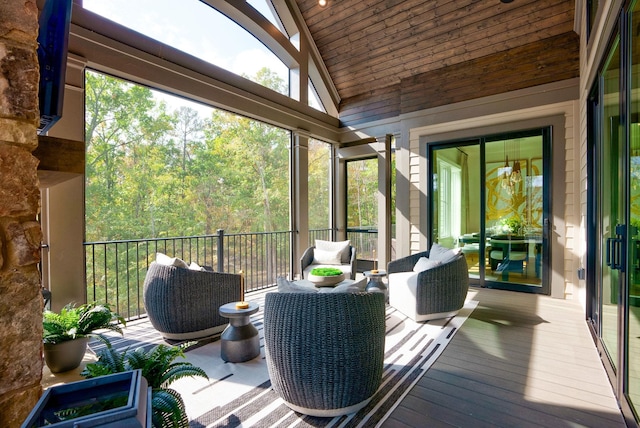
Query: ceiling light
322	3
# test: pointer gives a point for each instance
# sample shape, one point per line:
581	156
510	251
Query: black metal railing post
220	250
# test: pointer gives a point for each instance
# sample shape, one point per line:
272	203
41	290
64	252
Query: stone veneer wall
20	233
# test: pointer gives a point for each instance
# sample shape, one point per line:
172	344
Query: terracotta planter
65	356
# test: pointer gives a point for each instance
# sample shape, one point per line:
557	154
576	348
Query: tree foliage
156	172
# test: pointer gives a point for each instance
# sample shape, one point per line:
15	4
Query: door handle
546	225
621	240
616	253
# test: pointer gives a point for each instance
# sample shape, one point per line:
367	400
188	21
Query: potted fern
160	369
65	335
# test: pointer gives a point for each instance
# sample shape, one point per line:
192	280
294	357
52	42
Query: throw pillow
326	257
163	259
444	254
286	286
341	246
424	263
195	266
353	287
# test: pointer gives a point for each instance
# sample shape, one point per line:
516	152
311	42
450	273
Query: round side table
376	283
239	342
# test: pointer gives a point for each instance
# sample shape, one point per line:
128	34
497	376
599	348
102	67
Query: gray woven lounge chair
325	351
438	292
348	266
183	304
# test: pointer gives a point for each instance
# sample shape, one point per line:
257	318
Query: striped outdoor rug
240	394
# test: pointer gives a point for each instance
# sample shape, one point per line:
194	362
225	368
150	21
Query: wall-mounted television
53	42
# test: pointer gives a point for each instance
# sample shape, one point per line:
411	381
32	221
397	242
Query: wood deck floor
520	360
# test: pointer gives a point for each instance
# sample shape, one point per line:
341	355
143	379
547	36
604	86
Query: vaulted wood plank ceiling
370	45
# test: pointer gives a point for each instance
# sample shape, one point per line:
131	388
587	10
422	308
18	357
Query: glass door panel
633	243
490	198
514	213
455	203
609	204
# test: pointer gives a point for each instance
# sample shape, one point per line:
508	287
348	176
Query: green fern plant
160	369
74	322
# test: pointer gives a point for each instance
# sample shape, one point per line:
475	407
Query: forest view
153	171
158	170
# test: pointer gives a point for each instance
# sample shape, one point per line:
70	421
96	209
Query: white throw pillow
424	263
443	254
323	257
163	259
195	266
341	246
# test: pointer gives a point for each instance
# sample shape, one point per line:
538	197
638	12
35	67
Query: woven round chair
184	304
435	293
325	351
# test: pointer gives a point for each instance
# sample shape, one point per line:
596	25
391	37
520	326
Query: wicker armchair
183	304
348	267
438	292
325	351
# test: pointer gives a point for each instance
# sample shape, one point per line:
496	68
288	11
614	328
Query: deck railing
115	270
365	239
324	234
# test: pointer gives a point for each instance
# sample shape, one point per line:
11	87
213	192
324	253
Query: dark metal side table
376	283
239	341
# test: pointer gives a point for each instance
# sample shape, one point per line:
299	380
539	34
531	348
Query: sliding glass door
614	212
632	151
611	205
490	198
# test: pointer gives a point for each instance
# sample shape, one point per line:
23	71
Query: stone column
20	233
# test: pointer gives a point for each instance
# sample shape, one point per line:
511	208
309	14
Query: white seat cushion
403	287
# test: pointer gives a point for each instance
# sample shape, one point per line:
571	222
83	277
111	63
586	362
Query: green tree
124	126
156	173
319	158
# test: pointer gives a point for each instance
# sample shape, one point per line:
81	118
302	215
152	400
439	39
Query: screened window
161	166
197	29
266	9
